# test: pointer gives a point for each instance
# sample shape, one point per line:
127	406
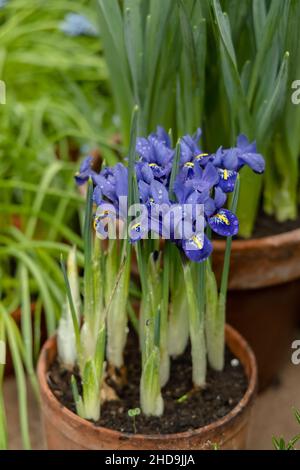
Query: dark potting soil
195	409
267	225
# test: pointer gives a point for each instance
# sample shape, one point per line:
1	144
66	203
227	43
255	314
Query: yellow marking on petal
223	218
189	164
96	219
135	226
153	164
201	155
99	217
197	242
225	175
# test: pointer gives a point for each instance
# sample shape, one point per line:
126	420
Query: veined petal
227	179
159	193
224	223
138	230
163	136
144	190
210	175
244	144
198	248
220	197
143	148
85	171
242	141
144	172
254	160
230	159
106	213
121	179
97	195
217	158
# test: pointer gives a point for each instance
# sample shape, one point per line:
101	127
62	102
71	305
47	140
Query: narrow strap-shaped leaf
174	172
259	19
88	246
74	314
271	24
226	265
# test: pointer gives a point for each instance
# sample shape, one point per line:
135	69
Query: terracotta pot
64	430
264	295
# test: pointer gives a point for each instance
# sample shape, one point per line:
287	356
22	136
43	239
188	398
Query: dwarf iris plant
181	198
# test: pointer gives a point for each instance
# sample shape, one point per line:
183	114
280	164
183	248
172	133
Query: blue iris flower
156	200
197	248
236	157
189	148
75	24
190	152
162	136
202	179
111	184
85	171
157	155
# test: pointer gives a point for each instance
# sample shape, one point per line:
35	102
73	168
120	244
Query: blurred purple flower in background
75	24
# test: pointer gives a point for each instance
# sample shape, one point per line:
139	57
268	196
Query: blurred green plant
281	444
56	101
56	86
32	280
150	63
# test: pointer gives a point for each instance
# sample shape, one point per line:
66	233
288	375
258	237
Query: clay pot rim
286	238
204	430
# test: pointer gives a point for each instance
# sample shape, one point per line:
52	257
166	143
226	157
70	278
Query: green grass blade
20	378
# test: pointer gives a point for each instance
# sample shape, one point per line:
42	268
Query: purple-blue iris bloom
162	136
111	185
156	200
189	148
195	245
156	155
221	221
85	171
191	153
230	161
75	24
202	179
197	191
202	182
197	248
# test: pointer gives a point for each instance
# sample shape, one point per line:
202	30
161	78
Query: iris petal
227	180
137	231
143	148
230	159
97	195
254	160
198	248
220	197
224	223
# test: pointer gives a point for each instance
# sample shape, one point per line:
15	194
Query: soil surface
184	408
267	225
